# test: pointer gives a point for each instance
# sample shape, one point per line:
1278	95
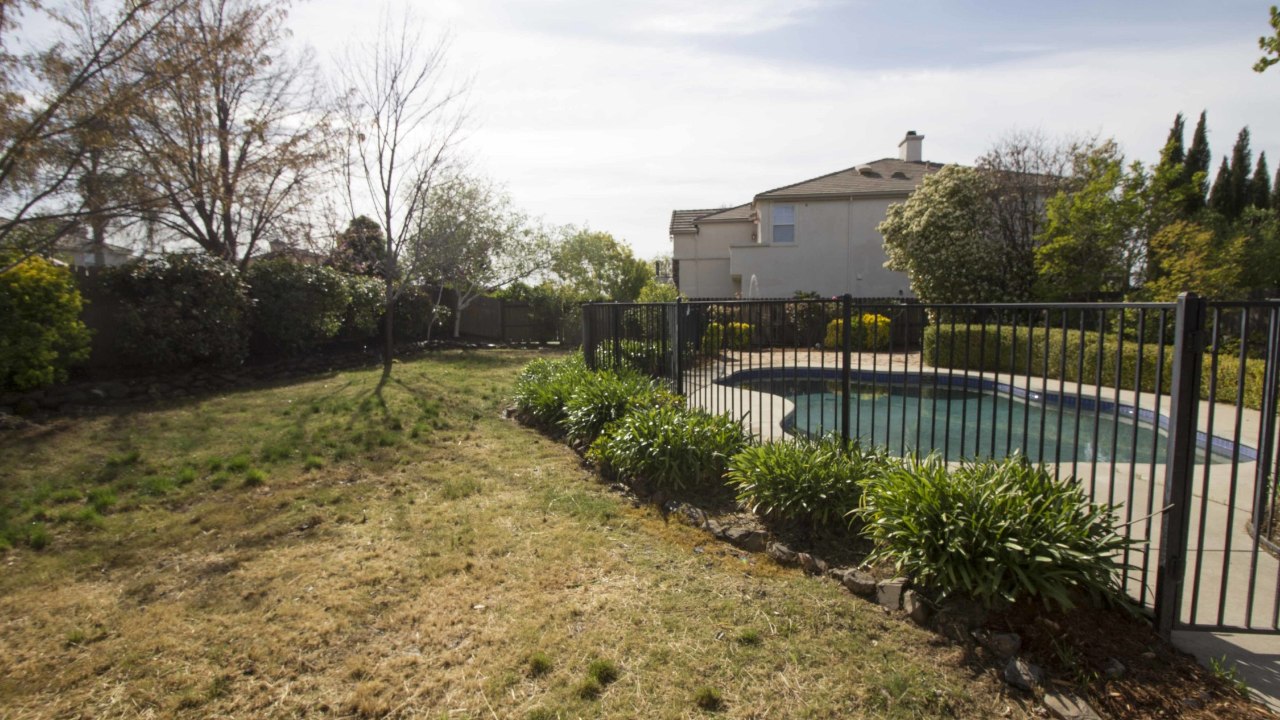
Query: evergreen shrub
993	532
180	311
812	481
296	307
41	334
673	448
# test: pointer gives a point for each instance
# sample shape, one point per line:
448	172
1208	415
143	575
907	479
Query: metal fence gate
1165	410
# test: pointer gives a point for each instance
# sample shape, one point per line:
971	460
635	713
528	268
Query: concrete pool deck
1238	582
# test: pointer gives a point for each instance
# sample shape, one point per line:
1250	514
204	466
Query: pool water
966	423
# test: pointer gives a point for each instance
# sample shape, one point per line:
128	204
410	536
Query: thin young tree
237	133
403	120
1023	169
477	242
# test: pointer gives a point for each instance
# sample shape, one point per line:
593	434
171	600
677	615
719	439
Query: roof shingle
888	176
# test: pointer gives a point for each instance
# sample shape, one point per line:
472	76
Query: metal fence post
846	340
678	344
1184	402
1266	448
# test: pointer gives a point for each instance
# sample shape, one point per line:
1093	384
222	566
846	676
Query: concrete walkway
1230	580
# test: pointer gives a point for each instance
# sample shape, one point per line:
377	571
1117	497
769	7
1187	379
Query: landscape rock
1023	675
1068	706
916	607
811	564
747	539
1002	645
781	553
889	593
859	582
1114	669
687	513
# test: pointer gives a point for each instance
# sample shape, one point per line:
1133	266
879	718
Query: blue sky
614	113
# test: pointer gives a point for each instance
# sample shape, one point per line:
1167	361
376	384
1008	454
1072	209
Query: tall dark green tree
1171	182
1275	193
1197	161
361	248
1173	151
1260	185
1220	195
1241	162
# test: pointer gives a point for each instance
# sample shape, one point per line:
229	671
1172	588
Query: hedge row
1076	356
189	311
194	310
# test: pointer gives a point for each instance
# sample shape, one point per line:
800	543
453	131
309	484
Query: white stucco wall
704	258
836	250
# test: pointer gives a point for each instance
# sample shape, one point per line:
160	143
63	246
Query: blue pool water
963	422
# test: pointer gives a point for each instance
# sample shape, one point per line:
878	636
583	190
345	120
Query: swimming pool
964	417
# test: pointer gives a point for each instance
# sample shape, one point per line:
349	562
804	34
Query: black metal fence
1165	410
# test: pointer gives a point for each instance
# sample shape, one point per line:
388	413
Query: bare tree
56	104
472	239
1025	169
231	142
403	120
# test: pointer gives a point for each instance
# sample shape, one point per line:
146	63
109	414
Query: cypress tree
1220	195
1275	192
1260	185
1197	161
1173	151
1170	183
1241	160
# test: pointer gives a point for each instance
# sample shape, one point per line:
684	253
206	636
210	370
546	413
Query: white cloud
740	17
587	128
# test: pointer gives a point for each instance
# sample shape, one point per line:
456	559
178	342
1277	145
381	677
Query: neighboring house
818	235
79	252
294	253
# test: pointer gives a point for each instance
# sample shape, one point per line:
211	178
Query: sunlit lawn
315	549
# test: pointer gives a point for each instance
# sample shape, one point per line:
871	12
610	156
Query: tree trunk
457	317
388	337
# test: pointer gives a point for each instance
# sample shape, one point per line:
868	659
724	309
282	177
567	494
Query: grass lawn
317	548
313	549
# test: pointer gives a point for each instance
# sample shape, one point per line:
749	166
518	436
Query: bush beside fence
1082	357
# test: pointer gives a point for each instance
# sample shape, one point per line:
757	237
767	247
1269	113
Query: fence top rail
1247	304
908	302
912	302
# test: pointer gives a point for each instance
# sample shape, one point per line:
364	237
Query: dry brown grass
416	579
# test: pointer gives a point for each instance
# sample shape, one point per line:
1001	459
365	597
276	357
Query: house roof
888	176
682	220
741	212
72	243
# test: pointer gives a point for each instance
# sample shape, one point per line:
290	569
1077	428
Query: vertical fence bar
846	310
616	332
1180	463
678	341
1266	443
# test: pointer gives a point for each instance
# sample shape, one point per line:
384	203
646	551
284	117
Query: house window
784	223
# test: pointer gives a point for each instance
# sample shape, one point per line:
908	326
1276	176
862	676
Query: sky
613	114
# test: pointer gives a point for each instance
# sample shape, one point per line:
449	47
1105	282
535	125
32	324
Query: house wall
704	258
837	249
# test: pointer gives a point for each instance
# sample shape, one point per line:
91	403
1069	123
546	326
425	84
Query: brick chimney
911	147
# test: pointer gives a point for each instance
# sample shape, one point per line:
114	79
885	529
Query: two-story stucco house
818	235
